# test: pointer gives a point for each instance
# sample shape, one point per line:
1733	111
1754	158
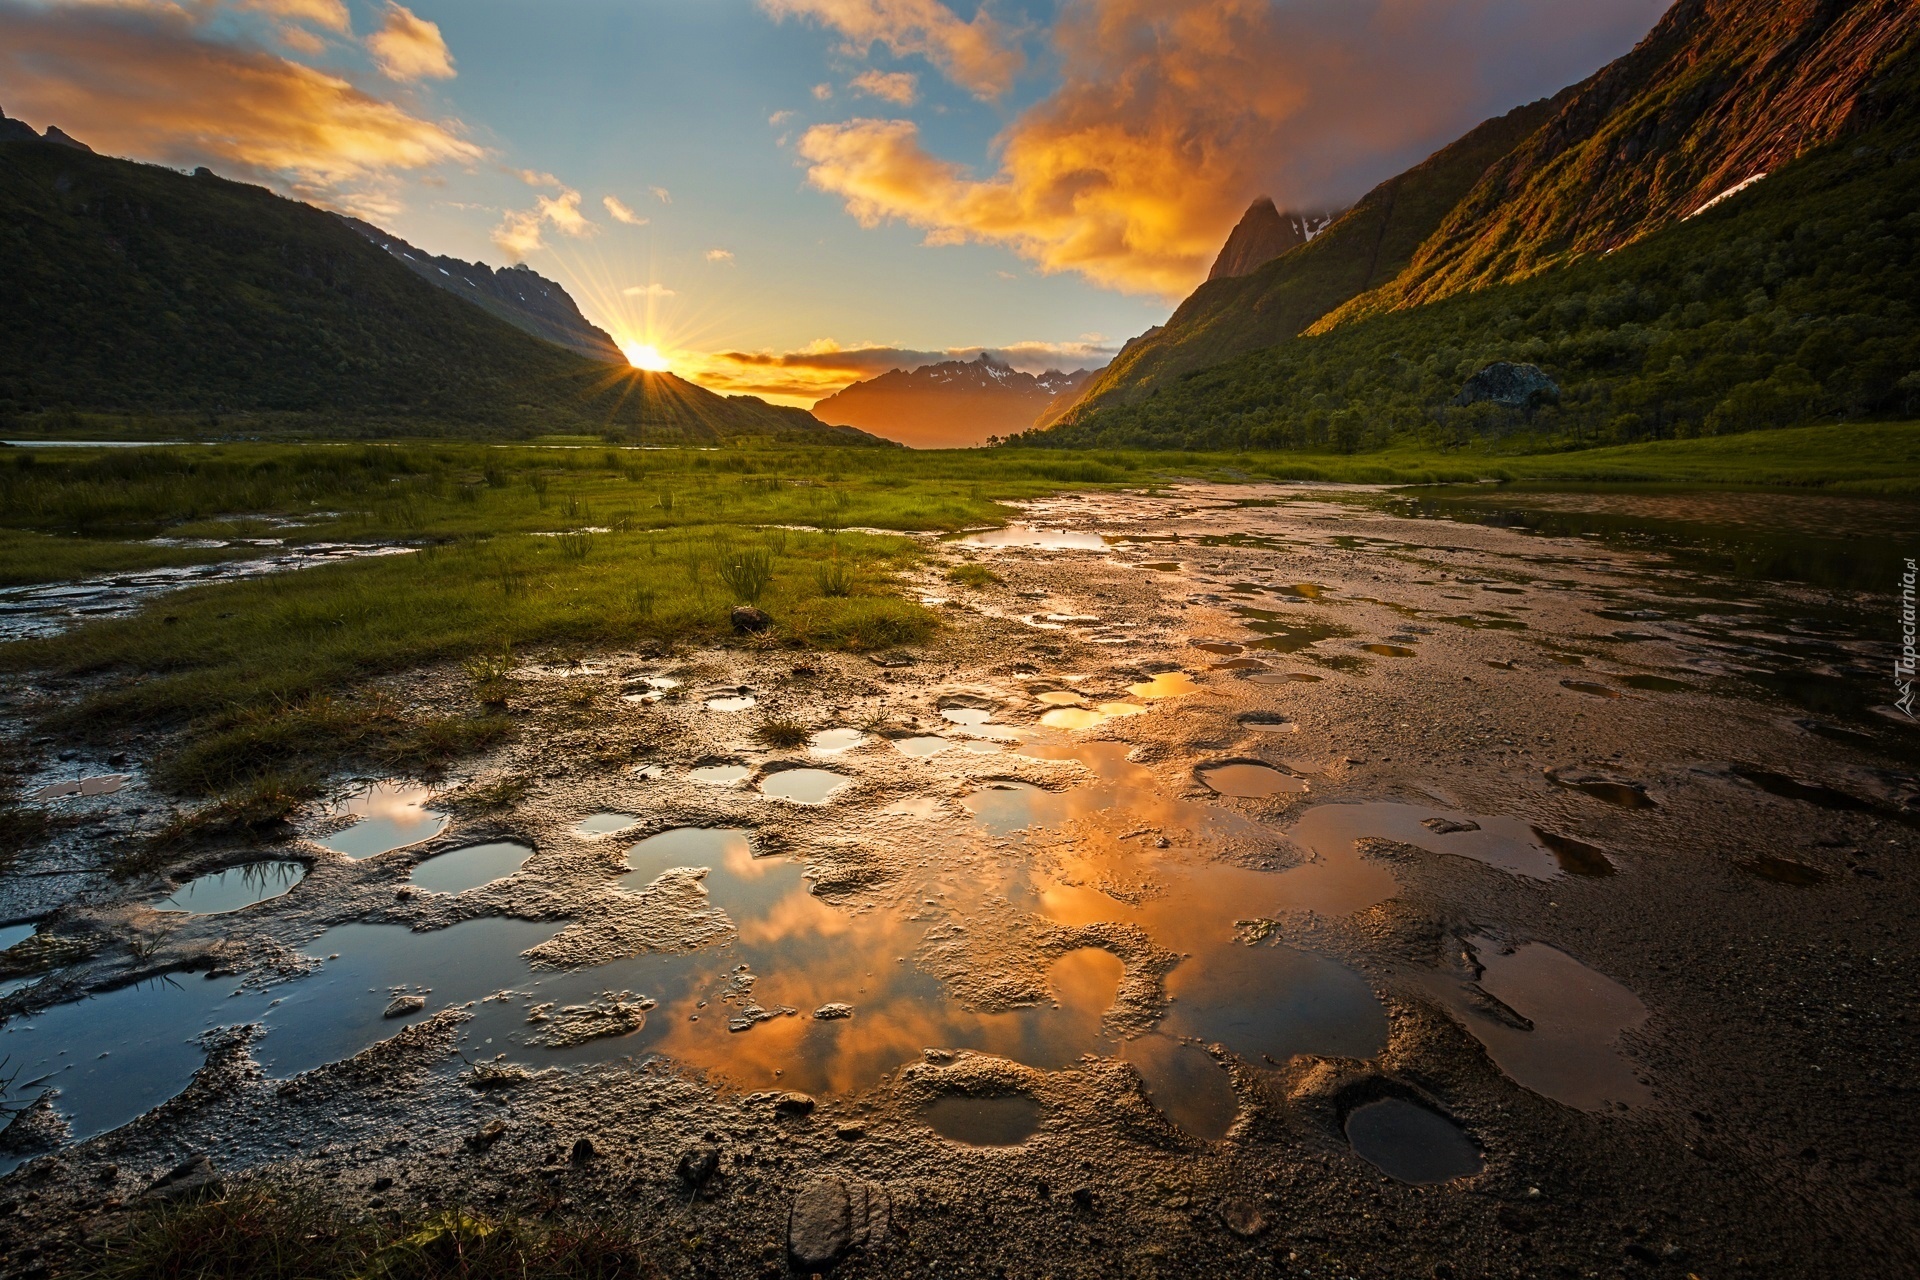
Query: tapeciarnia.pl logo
1903	666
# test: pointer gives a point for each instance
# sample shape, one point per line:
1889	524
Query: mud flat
1253	881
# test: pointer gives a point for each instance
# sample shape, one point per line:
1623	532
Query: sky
779	197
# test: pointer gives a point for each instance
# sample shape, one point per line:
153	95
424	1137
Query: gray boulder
1513	386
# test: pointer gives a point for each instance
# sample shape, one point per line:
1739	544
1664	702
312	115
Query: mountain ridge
1263	234
951	404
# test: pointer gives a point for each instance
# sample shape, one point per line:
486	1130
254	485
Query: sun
644	355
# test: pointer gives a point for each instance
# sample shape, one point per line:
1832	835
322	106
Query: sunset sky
785	195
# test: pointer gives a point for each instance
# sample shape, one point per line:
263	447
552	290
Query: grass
263	1233
977	576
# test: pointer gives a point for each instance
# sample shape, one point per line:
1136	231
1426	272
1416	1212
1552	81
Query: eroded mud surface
1254	882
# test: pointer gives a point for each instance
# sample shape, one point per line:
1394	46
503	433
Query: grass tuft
977	576
783	733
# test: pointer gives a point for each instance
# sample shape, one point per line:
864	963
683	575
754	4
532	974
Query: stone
1243	1217
697	1166
405	1006
748	620
831	1216
793	1104
1448	826
488	1134
1512	386
192	1175
829	1012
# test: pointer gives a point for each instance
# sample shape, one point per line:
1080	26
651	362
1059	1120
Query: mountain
1720	93
953	405
1263	234
518	294
135	289
1368	245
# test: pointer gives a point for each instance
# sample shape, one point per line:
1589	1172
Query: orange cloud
980	56
408	47
330	15
899	87
149	83
519	233
1172	115
619	210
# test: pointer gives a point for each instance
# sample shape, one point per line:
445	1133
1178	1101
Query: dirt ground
1650	950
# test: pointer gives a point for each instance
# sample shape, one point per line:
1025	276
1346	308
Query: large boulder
1513	386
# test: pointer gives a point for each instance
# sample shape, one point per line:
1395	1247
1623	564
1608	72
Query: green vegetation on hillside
136	291
1793	303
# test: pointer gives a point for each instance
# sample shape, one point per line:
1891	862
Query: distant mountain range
135	290
956	404
1702	124
1263	234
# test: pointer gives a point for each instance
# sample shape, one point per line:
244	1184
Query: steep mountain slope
133	288
1368	245
1720	93
1788	304
519	295
953	405
1263	234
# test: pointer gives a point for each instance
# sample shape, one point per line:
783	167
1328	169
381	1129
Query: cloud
152	83
822	92
779	118
1172	115
980	56
520	232
900	87
647	291
661	194
408	47
823	367
723	257
617	209
329	15
538	178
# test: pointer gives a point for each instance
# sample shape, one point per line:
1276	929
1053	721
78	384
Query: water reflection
391	815
234	888
471	867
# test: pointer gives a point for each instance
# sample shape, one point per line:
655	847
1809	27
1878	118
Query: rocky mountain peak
1263	234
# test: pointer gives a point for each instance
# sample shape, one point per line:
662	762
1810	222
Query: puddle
1790	788
1284	632
1590	689
970	716
1223	648
1409	1143
604	824
984	1122
1783	871
1185	1084
1284	677
16	933
47	609
832	742
105	785
1089	717
730	702
1625	795
232	889
1571	1054
1576	857
720	775
1508	843
1016	535
1251	781
1168	684
922	747
1239	664
471	867
803	786
1061	698
391	816
1390	650
1655	684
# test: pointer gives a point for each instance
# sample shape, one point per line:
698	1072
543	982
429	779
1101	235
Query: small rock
749	620
850	1133
830	1216
697	1167
793	1104
381	1184
1243	1217
829	1012
194	1174
488	1134
405	1006
1448	826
